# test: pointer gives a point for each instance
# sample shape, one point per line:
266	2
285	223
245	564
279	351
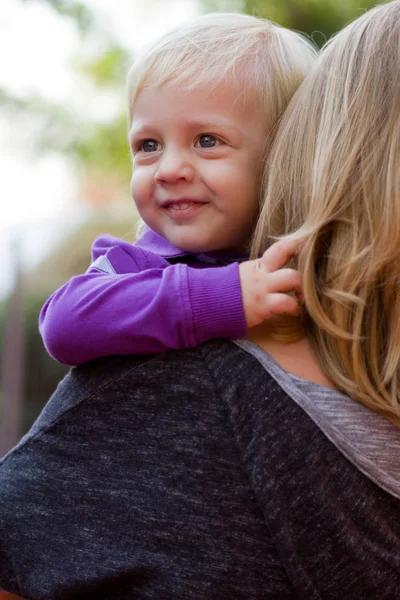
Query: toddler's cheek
141	188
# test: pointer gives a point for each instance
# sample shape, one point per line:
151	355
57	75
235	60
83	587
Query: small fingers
279	254
279	304
285	280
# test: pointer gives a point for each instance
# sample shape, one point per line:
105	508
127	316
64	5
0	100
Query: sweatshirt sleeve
143	309
216	303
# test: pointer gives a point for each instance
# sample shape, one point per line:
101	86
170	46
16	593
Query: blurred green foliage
77	11
98	146
107	69
320	19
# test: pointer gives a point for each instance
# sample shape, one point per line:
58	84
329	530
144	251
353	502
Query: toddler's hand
264	284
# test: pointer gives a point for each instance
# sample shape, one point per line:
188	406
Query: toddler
203	104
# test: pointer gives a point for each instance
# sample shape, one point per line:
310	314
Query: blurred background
64	160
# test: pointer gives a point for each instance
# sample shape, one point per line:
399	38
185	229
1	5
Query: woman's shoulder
138	383
200	365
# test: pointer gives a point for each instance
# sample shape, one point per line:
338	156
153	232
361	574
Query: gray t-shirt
364	437
192	475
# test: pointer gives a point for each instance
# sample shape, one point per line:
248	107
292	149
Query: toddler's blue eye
149	146
207	141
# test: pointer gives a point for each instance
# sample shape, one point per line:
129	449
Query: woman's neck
285	341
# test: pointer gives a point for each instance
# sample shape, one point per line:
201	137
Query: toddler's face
196	157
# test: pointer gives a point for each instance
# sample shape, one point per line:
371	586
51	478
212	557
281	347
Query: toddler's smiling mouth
183	208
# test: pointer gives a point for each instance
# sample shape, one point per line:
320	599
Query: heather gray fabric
190	475
369	441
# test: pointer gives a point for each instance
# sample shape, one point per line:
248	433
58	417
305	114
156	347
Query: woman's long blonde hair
333	178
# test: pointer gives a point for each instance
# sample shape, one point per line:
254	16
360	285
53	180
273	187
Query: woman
266	468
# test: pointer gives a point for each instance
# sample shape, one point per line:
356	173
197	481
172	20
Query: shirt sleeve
131	302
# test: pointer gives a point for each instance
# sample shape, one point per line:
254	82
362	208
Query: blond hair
263	58
334	179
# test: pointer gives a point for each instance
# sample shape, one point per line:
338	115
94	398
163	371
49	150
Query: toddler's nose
174	167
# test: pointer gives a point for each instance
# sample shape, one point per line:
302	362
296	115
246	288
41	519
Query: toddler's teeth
180	206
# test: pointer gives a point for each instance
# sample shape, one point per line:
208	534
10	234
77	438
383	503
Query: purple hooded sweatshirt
143	298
